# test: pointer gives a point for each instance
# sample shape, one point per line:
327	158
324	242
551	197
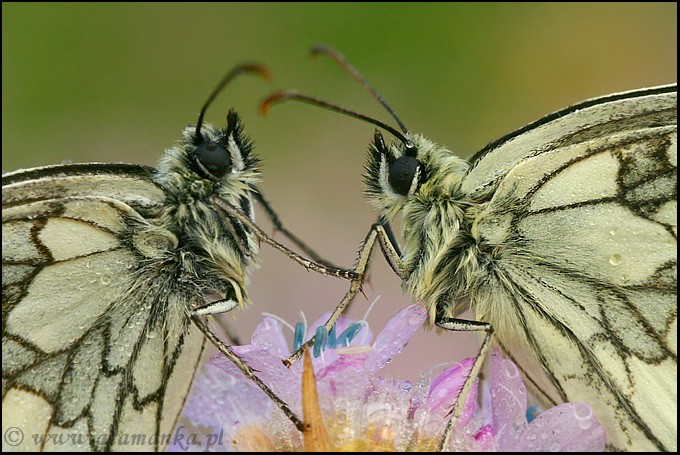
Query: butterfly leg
306	263
378	232
248	371
390	234
213	308
390	248
462	325
257	193
228	331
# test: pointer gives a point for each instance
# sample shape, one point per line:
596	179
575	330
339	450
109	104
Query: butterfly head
413	170
223	156
216	154
209	161
219	162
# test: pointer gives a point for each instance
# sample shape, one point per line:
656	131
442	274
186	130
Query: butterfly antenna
321	49
285	95
241	69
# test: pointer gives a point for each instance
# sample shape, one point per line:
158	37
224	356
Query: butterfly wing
581	211
91	359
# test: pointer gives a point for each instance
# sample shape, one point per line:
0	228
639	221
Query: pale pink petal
569	427
348	382
222	400
355	362
269	335
508	401
446	387
392	339
268	368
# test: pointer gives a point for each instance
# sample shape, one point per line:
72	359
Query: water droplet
583	414
414	319
510	369
67	162
582	411
585	424
615	259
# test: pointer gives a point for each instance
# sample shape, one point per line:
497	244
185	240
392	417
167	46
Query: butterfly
108	273
560	236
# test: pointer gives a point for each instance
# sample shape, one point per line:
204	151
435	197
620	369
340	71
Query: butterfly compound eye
213	158
402	172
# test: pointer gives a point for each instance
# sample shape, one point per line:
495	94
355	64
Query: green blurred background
105	82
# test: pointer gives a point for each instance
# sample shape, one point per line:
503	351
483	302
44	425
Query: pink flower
568	427
363	410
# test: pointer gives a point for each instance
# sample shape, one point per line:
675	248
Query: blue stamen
348	334
332	341
324	340
319	340
298	336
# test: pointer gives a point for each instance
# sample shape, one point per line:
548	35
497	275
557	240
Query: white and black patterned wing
581	212
92	358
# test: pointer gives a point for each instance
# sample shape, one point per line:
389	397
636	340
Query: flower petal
220	400
284	382
568	427
395	335
508	401
269	335
445	389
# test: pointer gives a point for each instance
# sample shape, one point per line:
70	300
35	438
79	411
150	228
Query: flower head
362	410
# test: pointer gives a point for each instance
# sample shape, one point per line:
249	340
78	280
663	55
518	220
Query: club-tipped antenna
284	95
321	49
241	69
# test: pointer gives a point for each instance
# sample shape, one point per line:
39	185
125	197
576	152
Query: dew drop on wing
555	447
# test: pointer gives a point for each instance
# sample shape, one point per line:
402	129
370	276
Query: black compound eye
402	172
214	158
